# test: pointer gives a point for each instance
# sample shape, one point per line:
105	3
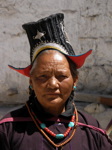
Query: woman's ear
75	82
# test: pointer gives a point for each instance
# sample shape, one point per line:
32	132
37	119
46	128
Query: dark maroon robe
21	134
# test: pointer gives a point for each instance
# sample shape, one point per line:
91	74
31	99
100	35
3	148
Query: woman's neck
55	111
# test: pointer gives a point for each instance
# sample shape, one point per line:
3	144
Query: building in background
89	26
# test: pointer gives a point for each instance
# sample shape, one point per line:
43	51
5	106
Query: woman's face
52	80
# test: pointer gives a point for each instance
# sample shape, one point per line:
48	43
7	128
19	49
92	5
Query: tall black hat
49	33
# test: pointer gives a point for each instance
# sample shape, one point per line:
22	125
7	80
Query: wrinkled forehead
51	57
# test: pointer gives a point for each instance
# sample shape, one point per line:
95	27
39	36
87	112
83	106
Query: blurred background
89	26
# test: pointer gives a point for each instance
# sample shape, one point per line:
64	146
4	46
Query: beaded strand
57	136
47	137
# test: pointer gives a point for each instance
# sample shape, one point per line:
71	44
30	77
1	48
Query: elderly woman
50	120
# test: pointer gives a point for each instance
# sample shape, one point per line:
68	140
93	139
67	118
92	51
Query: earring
74	87
30	87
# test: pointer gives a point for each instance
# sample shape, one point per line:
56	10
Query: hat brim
24	71
80	59
77	59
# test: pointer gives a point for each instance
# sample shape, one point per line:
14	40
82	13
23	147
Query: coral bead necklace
43	128
57	136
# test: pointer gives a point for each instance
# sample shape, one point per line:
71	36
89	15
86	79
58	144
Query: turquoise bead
59	136
42	125
71	124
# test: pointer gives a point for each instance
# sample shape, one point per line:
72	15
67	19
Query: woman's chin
55	101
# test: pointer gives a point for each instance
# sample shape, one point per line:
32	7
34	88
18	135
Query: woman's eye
62	76
42	77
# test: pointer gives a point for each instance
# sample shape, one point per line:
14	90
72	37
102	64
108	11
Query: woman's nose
53	83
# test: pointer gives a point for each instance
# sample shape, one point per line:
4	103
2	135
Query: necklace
41	126
57	136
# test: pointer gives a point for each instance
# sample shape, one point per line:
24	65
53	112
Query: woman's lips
53	94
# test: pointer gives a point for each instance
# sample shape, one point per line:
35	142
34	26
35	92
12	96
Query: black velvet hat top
48	30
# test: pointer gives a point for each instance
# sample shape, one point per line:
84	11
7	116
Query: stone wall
89	26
